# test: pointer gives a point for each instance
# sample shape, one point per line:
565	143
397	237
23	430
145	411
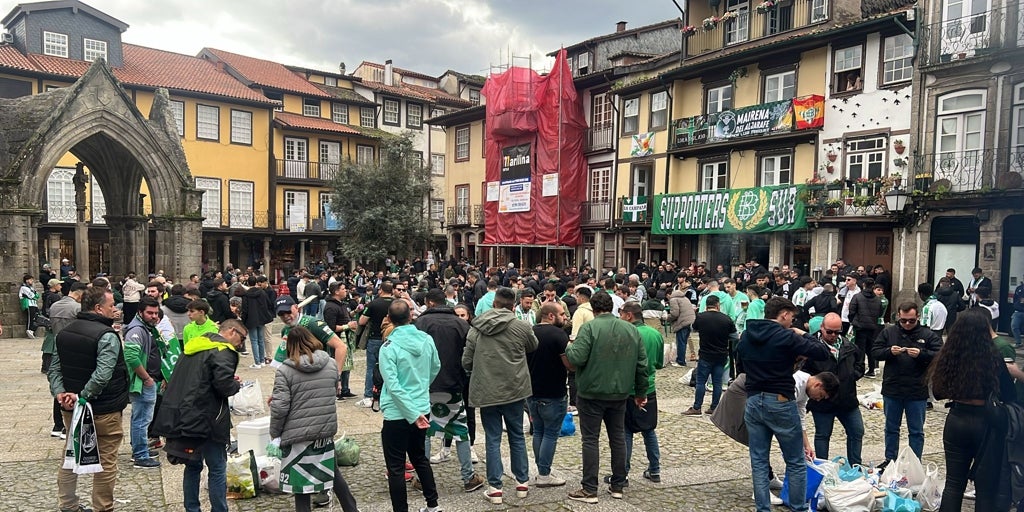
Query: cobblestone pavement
702	469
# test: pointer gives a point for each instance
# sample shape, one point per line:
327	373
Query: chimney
341	68
620	27
389	78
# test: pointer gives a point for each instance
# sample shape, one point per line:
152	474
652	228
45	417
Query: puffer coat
303	404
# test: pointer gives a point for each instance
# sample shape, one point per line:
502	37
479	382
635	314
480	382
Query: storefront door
868	248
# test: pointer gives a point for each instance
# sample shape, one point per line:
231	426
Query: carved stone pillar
18	252
227	251
267	269
53	251
302	254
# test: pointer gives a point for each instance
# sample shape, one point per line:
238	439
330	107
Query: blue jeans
372	353
143	405
1017	326
682	335
492	417
717	372
216	457
653	451
547	415
765	416
894	409
853	424
462	451
259	348
312	308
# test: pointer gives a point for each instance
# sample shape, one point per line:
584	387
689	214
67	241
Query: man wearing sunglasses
907	349
847	363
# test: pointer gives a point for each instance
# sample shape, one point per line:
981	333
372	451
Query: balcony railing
599	138
749	122
595	212
973	36
458	216
478	214
848	199
967	171
630	213
302	170
749	24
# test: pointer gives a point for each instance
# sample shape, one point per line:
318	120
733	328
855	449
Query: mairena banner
763	119
747	210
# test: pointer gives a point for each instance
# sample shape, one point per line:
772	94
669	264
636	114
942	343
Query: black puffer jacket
849	368
255	309
195	404
449	334
865	310
904	376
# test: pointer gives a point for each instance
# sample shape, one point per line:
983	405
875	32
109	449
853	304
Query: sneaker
441	456
321	499
64	434
608	480
709	411
153	454
348	394
256	366
572	410
30	335
79	508
522	489
775	500
365	403
149	463
775	484
615	492
244	353
691	412
494	495
155	443
432	509
678	365
583	495
339	398
870	374
56	433
881	467
473	483
654	477
543	481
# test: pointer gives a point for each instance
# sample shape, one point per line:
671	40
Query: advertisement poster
746	210
550	185
514	195
492	191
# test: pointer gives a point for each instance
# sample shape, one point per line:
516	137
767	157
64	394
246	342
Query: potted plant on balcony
897	177
898	146
863	202
766	6
709	23
848	197
688	30
832	206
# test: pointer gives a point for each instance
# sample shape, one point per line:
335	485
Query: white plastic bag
685	379
931	492
670	352
855	496
906	472
249	400
270	473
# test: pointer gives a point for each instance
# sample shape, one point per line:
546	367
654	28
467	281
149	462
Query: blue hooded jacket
408	363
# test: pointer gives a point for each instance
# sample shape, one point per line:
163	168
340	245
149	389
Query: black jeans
613	413
863	339
341	491
975	434
399	439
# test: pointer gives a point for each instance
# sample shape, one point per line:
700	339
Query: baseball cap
283	304
53	282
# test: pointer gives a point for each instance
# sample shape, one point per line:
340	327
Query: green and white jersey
319	329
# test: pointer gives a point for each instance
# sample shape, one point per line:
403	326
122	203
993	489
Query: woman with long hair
969	372
303	415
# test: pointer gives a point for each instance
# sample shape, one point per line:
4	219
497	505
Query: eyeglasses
830	331
908	320
399	289
240	333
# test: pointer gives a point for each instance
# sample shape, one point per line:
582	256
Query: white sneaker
522	489
30	334
775	484
256	366
494	495
542	481
365	403
775	500
440	456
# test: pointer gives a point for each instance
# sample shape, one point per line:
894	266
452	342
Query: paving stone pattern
702	469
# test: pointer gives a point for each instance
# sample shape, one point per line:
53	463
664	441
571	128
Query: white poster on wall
550	185
492	191
514	198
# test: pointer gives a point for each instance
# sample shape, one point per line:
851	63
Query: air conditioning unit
6	38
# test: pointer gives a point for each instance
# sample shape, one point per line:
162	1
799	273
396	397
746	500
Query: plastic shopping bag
853	496
346	451
815	476
242	476
895	502
249	400
270	473
568	426
904	472
931	491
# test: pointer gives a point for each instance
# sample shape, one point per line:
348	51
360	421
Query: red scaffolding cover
542	117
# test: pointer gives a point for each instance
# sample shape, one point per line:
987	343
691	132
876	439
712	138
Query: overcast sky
428	36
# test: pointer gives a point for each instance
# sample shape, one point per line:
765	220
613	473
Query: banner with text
514	193
763	119
746	210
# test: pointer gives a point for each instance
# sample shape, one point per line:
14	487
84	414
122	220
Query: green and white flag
307	467
634	209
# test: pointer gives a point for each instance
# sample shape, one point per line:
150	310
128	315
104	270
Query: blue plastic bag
848	473
896	503
814	479
568	426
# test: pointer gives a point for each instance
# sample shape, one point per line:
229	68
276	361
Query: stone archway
97	121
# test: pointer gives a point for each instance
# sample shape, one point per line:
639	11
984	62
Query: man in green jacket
639	420
199	314
611	365
144	352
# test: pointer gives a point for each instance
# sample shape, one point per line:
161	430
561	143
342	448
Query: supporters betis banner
634	209
747	210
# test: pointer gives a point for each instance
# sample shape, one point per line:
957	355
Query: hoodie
408	363
176	311
768	352
495	357
220	309
255	310
303	406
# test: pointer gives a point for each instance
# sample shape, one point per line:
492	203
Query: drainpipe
682	39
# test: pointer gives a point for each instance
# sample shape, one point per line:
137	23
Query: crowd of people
444	342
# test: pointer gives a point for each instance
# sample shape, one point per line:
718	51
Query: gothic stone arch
97	121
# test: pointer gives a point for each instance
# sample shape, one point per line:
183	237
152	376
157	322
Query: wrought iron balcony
725	30
968	171
594	213
458	216
478	214
599	138
301	170
973	36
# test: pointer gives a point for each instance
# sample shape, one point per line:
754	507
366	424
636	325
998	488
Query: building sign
809	111
763	119
634	209
747	210
550	186
516	166
691	130
643	145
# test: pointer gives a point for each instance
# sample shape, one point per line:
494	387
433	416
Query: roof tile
300	122
267	73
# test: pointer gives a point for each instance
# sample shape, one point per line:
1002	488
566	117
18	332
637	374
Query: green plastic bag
346	451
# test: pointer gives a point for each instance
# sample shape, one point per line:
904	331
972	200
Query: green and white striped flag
307	467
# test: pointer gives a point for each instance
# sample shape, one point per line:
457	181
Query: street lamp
896	200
